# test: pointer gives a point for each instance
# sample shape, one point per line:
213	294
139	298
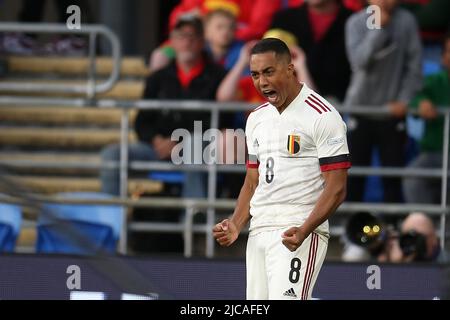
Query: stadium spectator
223	49
435	93
415	240
253	19
237	86
354	5
220	27
386	65
318	26
368	237
32	12
190	77
433	17
253	16
418	240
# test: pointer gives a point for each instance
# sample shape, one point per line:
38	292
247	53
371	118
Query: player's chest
282	138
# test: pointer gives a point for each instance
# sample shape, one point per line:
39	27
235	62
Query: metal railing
211	204
91	88
214	169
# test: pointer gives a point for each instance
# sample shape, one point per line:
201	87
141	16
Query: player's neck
294	92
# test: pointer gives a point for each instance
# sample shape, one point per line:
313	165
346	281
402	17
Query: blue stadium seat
10	221
167	176
431	59
95	227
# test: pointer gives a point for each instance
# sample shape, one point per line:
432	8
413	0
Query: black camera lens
364	229
414	243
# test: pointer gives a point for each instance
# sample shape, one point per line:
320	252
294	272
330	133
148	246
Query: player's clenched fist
293	238
225	232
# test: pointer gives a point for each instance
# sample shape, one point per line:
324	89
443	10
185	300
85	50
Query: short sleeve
252	157
330	137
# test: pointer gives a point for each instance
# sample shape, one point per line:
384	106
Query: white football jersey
291	150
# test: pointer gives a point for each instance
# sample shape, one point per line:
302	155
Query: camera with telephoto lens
414	243
368	231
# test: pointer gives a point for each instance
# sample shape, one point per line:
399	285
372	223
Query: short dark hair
190	20
272	45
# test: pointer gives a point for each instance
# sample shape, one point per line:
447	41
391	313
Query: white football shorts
275	273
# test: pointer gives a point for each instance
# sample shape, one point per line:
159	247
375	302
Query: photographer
371	239
418	240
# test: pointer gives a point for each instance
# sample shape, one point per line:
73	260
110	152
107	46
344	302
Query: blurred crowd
402	63
338	54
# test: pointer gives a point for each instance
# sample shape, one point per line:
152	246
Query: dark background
140	24
30	276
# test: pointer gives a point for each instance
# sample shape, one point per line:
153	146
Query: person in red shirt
188	77
253	20
253	16
318	26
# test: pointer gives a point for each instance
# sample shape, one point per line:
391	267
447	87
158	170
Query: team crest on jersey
293	143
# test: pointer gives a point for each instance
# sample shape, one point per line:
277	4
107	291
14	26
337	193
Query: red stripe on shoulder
313	106
261	106
313	96
318	105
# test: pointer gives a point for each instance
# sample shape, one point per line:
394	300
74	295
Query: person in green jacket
434	94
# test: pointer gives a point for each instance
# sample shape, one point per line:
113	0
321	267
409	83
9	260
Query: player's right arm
227	231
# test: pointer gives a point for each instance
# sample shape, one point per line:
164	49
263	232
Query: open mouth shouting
271	95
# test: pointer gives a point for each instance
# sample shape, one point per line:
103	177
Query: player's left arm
332	196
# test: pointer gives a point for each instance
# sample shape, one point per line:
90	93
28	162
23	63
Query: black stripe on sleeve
335	159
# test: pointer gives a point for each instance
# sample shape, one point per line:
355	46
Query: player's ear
291	70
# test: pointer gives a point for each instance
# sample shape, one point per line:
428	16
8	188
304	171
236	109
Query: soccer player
296	178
